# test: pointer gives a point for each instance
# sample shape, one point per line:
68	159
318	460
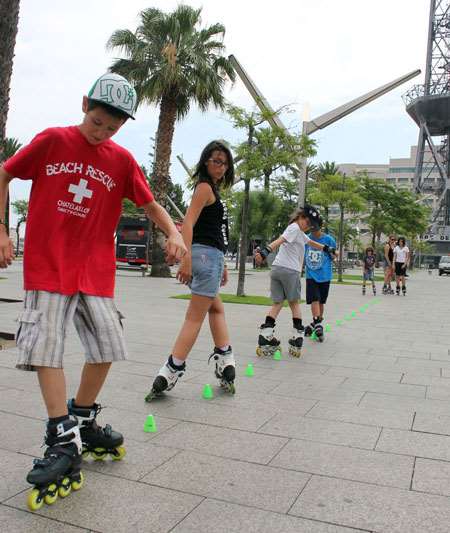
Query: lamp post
341	233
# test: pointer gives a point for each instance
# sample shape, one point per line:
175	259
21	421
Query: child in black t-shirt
368	269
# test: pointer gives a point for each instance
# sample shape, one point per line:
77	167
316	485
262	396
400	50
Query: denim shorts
368	275
207	270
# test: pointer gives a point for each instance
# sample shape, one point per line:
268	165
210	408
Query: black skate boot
318	329
404	290
166	379
225	368
397	290
364	290
309	329
59	472
268	344
374	290
296	342
384	290
97	440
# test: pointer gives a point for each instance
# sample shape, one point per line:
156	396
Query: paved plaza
354	436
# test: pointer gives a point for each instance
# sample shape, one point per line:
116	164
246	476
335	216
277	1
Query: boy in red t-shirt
80	177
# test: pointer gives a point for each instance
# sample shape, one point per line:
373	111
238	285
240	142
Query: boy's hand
6	249
175	248
184	274
258	258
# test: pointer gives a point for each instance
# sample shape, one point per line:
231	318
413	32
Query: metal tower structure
429	106
309	127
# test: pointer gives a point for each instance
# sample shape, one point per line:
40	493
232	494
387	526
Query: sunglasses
218	162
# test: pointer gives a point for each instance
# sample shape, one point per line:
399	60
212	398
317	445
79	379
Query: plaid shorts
43	324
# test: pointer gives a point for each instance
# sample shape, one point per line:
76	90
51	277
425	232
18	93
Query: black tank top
211	227
390	252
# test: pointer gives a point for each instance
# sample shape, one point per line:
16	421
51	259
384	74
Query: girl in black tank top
205	233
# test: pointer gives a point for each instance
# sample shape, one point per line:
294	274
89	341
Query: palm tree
9	19
172	63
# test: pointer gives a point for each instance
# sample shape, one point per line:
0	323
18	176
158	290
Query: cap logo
117	93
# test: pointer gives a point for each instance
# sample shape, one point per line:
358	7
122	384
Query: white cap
116	91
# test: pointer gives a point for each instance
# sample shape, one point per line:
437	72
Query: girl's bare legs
195	315
217	324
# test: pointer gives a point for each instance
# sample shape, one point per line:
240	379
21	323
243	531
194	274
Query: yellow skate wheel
99	454
52	494
259	352
64	489
34	500
119	453
85	453
76	485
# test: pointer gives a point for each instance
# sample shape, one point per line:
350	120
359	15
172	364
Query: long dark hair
201	171
401	239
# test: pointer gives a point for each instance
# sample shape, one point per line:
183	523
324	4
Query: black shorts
399	270
317	292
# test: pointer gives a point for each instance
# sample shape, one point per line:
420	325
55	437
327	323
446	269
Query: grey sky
319	52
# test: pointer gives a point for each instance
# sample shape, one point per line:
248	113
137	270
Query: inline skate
225	368
268	344
166	379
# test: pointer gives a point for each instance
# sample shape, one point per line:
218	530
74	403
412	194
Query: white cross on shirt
80	191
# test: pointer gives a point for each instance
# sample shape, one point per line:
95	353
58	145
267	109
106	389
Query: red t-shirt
75	205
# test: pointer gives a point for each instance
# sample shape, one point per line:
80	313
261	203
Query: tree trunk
9	19
267	174
341	245
164	137
244	240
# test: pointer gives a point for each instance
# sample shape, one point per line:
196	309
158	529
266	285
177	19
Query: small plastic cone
150	425
327	328
362	309
249	370
338	322
277	355
314	336
207	392
353	313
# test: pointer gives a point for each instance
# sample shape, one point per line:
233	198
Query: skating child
369	269
285	278
388	262
319	272
80	177
203	268
401	262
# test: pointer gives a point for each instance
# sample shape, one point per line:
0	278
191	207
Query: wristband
265	251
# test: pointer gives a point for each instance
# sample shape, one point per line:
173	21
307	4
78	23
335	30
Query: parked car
444	265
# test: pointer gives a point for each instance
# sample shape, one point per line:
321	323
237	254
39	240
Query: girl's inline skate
225	368
166	379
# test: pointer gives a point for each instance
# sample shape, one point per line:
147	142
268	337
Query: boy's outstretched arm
6	245
264	252
175	247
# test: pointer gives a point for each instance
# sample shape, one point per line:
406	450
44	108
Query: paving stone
346	463
108	504
396	389
14	467
403	403
416	444
19	432
224	517
362	415
234	481
331	432
242	445
432	476
393	377
18	521
429	423
370	507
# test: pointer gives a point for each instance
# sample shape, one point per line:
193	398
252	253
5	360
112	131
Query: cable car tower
429	106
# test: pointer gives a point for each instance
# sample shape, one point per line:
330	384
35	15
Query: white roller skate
268	344
166	379
225	368
318	330
296	342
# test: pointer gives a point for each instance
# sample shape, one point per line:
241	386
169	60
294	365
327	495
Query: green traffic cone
314	336
150	424
208	392
353	313
327	328
277	355
338	322
249	372
362	309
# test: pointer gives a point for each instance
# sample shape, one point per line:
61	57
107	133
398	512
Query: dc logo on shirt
314	259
